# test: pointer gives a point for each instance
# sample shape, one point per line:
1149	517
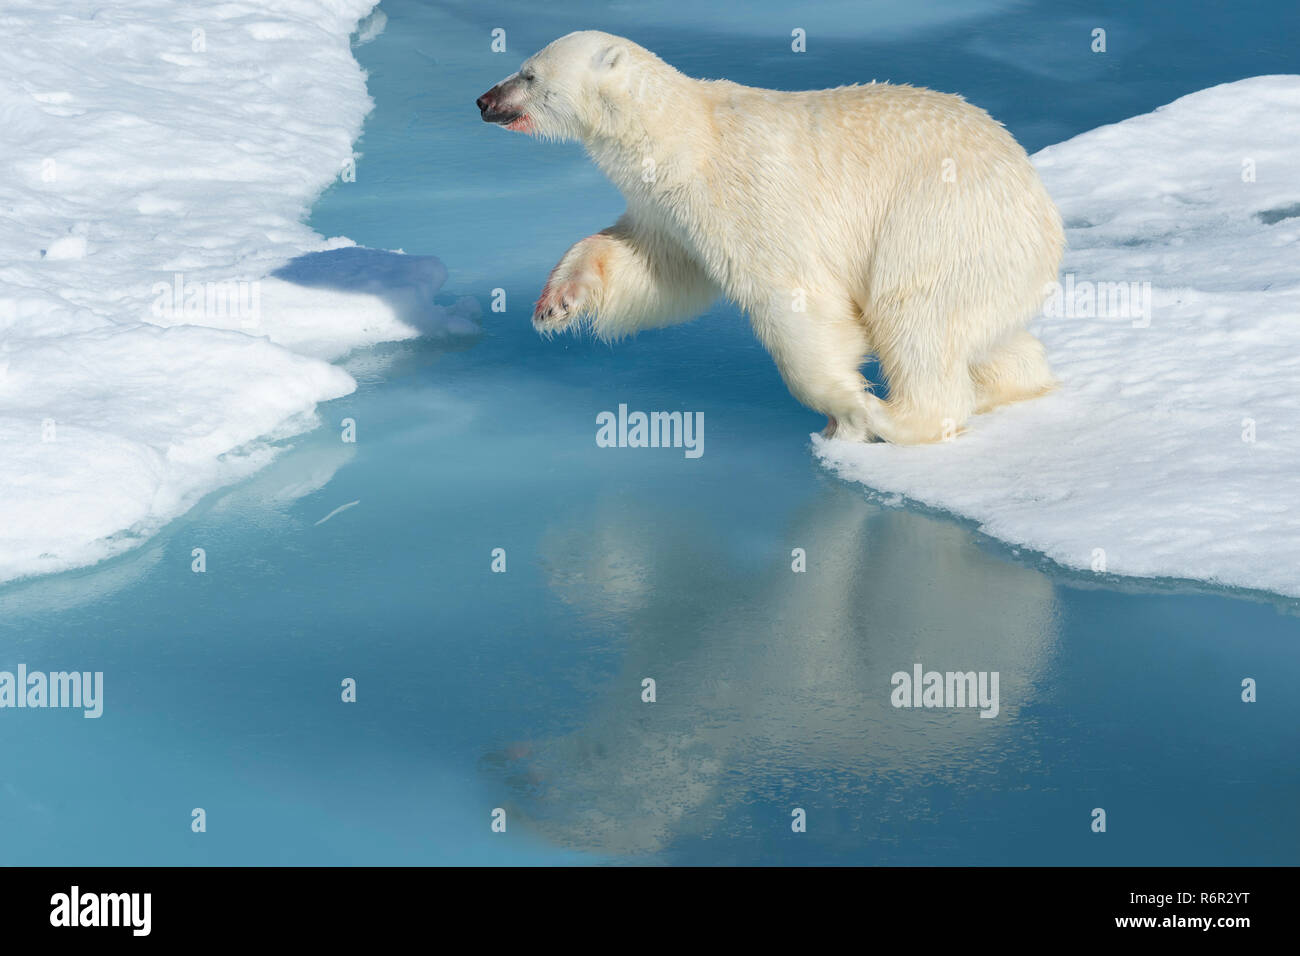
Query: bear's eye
529	76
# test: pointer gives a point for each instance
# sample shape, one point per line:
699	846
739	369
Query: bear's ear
609	57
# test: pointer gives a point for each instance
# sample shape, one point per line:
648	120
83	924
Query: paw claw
559	304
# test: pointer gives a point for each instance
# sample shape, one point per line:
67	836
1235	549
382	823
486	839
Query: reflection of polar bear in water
878	219
768	679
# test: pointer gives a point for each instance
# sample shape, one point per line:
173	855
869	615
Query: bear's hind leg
931	394
818	353
1014	370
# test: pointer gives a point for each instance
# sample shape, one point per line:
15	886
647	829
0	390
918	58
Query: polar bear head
577	88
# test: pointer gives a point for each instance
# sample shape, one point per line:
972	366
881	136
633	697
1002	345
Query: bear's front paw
559	305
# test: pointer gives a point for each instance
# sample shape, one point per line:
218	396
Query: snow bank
1172	448
164	313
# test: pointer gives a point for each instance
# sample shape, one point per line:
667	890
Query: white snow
159	158
1172	448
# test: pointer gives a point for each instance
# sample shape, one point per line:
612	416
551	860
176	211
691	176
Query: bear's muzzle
493	109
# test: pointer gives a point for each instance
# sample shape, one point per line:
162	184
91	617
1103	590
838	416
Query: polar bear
878	220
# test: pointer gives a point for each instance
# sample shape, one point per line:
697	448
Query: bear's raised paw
560	303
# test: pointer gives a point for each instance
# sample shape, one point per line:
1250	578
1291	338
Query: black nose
483	103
